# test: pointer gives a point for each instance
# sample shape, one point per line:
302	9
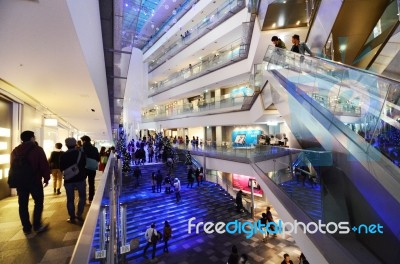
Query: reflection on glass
363	105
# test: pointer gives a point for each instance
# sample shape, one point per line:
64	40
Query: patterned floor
56	245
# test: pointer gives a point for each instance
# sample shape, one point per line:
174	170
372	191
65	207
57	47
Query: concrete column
217	98
218	132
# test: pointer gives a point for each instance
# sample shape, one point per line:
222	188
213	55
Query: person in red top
40	167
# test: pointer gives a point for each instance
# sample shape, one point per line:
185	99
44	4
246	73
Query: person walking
270	219
29	155
54	162
151	237
263	222
71	182
197	175
167	182
190	178
177	189
167	235
137	173
278	42
298	47
159	179
239	202
234	256
92	159
153	181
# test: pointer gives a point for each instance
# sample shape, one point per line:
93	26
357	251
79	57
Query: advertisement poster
245	137
242	182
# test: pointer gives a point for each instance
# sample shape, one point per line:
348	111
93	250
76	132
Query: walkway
54	246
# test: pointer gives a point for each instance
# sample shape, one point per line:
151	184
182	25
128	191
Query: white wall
196	132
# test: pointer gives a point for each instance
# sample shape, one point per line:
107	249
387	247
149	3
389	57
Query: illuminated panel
5	132
6	170
1	174
5	159
3	145
50	122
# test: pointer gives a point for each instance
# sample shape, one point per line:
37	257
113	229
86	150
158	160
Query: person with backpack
54	162
167	235
151	236
92	160
75	160
28	166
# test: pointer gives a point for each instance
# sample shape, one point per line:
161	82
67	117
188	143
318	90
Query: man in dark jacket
92	153
40	169
78	181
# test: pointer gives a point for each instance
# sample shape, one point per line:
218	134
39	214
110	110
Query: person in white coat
151	236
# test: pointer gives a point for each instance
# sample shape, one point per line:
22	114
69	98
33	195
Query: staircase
209	202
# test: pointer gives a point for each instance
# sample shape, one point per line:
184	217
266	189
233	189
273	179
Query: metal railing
215	18
106	213
231	53
162	112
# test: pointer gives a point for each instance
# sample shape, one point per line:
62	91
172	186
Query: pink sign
242	182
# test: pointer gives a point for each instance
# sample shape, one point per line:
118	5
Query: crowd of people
30	172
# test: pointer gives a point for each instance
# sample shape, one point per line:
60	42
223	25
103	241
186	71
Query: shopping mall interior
311	131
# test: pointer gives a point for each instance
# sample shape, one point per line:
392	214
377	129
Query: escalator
356	115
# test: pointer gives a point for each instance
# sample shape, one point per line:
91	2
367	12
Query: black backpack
154	237
21	173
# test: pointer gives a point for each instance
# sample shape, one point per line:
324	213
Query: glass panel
231	53
362	105
219	15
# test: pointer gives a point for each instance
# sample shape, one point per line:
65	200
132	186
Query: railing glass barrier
103	235
215	103
216	17
177	14
231	53
370	102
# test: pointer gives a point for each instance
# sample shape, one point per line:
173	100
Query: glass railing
103	230
230	150
227	55
177	14
373	100
219	15
164	112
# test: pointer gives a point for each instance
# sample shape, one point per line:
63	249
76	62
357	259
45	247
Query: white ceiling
52	50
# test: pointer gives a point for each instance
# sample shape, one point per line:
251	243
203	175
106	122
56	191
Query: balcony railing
218	16
233	52
163	112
